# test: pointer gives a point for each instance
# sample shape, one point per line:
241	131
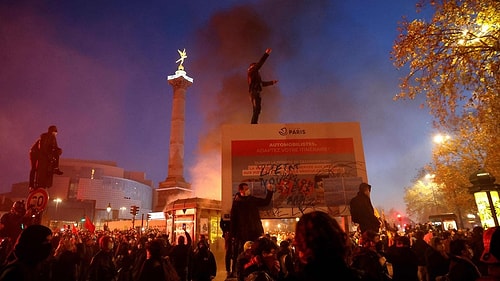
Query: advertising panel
311	166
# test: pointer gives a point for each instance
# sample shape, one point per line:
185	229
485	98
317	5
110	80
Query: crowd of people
107	256
319	249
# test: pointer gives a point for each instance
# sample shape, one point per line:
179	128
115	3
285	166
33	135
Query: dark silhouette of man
181	254
229	257
44	158
245	217
13	222
255	85
11	226
32	248
362	210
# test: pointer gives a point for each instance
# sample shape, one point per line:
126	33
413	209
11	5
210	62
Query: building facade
99	190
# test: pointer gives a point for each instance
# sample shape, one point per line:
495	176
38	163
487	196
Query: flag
89	225
74	230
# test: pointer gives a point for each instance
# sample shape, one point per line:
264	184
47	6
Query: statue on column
184	56
255	85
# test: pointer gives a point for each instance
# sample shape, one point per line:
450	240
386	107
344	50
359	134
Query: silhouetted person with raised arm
255	85
181	254
246	224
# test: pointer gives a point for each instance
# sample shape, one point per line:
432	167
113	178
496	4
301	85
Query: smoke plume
224	49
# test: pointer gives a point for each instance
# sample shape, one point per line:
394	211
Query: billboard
311	165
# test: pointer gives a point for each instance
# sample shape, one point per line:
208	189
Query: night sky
97	70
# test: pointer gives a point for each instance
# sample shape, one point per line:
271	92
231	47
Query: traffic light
148	217
133	210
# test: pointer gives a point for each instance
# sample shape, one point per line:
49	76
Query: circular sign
37	199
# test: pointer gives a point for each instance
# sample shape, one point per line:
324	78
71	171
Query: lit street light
440	139
57	201
108	209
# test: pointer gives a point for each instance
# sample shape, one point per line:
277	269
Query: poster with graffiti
314	172
310	165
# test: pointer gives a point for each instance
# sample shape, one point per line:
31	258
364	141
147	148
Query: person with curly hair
321	246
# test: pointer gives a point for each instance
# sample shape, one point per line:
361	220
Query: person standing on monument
44	158
255	85
245	217
362	211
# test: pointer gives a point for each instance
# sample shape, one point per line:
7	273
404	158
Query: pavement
219	253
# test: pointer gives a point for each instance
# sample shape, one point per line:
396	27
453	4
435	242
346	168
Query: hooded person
362	211
13	222
32	247
102	266
491	253
45	161
204	266
156	267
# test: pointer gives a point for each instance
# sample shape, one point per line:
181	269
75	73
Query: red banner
89	225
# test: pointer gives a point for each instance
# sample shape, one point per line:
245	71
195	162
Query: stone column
175	175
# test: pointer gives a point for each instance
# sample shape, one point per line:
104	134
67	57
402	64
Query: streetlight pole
430	179
108	209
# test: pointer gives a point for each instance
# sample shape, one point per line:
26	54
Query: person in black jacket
420	247
245	217
156	267
362	210
32	248
437	259
44	158
255	85
403	259
180	256
65	260
461	266
229	256
102	266
203	266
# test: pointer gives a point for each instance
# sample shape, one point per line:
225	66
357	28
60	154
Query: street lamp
108	209
486	195
57	201
440	139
